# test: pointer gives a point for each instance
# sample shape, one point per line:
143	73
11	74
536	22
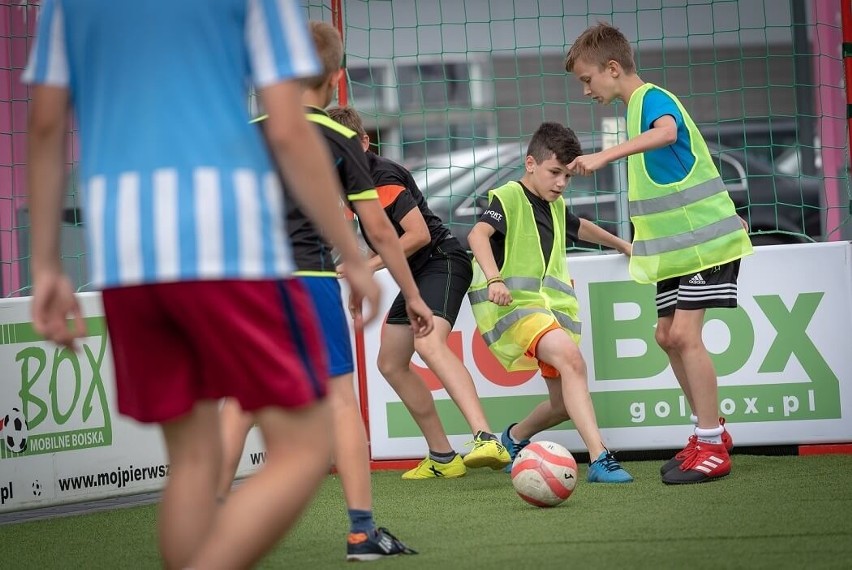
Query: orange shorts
547	371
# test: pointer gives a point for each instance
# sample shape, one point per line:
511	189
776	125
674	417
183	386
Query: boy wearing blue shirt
687	238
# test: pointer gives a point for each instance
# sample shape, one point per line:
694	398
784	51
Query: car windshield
458	176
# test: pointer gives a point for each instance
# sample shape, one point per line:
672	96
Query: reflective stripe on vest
503	324
680	199
709	232
557	285
521	284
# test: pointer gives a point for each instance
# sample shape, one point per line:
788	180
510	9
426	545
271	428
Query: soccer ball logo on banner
14	430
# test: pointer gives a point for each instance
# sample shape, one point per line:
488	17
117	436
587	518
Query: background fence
453	88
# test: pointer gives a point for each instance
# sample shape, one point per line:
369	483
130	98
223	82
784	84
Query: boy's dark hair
329	46
599	45
349	118
554	139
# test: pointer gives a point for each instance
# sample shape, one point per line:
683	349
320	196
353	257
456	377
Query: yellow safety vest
683	227
539	294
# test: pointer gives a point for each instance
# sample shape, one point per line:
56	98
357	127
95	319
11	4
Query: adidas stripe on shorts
715	287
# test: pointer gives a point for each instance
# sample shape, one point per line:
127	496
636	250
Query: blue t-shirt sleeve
671	163
657	104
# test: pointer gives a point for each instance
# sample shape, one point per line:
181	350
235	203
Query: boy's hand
626	248
420	316
587	163
744	223
498	293
53	303
363	288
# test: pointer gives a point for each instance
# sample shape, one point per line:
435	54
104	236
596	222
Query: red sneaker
708	461
687	451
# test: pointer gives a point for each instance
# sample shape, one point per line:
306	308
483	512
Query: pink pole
16	27
830	109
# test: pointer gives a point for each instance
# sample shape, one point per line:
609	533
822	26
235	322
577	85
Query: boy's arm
593	233
53	294
415	236
663	132
384	239
479	241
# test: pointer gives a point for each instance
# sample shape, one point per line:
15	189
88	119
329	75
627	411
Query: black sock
442	457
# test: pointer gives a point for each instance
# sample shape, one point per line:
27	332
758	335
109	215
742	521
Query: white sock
694	419
710	435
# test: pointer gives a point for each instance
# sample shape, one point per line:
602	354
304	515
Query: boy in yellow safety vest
523	300
688	238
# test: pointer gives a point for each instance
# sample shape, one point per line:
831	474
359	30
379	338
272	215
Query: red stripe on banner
826	449
551	457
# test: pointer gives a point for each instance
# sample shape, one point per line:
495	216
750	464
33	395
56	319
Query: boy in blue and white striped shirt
185	227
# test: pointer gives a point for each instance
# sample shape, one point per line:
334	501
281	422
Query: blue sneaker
512	447
606	469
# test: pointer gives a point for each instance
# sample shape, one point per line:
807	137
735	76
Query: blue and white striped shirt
178	185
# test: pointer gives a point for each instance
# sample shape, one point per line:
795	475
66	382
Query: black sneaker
365	546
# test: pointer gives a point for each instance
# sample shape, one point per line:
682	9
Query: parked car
780	208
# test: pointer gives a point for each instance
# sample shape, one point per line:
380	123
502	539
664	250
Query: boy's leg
234	426
487	450
352	460
546	415
560	351
397	348
452	374
351	453
707	456
298	456
394	362
662	336
188	505
350	448
443	284
687	344
395	352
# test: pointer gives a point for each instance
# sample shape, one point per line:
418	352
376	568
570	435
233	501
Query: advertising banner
782	358
61	437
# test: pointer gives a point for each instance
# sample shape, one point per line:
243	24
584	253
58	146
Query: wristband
493	280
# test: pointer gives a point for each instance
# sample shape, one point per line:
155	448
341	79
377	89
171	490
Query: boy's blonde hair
599	45
349	118
329	46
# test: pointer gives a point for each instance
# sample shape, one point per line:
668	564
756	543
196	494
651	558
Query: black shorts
715	287
443	282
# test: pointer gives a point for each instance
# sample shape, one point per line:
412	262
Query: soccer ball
544	474
15	430
37	488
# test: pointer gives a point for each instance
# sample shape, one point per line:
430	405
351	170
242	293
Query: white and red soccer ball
544	474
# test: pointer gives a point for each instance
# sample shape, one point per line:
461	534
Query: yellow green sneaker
428	469
487	452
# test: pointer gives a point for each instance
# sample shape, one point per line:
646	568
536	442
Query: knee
664	338
390	365
680	340
429	348
571	366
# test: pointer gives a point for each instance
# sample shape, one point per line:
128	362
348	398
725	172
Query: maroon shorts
174	344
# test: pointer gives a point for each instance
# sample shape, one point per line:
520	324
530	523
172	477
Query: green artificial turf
772	512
